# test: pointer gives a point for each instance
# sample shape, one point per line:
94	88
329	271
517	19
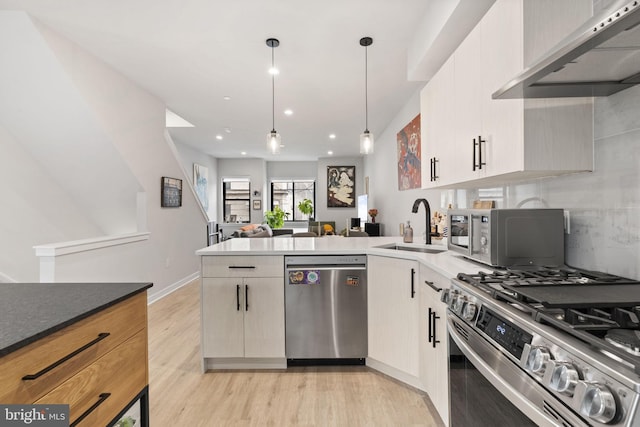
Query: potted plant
306	207
275	218
373	213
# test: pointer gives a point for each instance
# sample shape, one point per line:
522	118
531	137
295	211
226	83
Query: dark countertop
30	311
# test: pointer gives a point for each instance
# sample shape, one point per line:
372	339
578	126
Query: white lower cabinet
242	315
434	357
393	311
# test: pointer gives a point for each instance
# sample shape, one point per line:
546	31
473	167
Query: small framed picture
171	192
257	205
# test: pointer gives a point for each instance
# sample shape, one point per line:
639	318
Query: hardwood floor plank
301	396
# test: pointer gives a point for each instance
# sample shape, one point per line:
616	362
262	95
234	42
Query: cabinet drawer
242	266
120	322
113	380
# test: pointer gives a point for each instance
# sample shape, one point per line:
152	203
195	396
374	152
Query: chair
356	233
305	234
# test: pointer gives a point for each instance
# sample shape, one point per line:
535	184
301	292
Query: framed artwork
200	183
409	156
171	192
257	205
341	186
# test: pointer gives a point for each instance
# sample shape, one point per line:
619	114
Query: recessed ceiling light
244	153
332	136
226	97
330	153
219	137
274	71
227	130
288	112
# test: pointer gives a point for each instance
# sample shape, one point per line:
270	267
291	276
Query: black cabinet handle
102	397
478	165
435	317
430	325
246	297
431	165
413	289
480	142
432	286
245	267
101	336
435	171
474	154
237	297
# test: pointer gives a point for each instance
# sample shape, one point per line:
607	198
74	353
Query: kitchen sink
426	249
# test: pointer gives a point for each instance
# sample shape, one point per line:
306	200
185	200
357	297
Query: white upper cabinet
475	140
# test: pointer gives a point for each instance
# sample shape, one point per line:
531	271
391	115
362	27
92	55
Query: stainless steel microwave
508	237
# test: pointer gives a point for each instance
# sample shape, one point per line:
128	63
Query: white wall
189	156
394	206
341	216
134	122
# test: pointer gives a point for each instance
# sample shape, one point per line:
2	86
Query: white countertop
447	263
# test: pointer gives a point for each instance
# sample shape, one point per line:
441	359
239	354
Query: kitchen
602	204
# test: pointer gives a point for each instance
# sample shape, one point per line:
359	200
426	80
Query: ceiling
192	54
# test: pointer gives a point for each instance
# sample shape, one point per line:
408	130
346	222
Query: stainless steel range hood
600	58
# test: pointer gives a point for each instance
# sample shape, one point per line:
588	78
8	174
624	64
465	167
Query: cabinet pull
431	165
245	267
101	336
435	171
480	142
237	297
102	397
478	165
435	317
474	155
413	289
430	326
246	297
432	286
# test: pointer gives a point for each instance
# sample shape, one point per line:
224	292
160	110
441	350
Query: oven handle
520	401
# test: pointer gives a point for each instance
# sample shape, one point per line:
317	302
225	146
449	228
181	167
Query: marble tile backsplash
603	205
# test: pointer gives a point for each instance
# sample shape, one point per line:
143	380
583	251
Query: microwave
508	237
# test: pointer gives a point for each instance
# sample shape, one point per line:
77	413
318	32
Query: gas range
575	333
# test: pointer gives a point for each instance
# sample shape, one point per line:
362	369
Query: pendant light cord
273	92
366	89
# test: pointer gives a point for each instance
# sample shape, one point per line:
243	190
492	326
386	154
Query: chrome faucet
416	205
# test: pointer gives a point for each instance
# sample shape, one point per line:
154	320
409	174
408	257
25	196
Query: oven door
489	389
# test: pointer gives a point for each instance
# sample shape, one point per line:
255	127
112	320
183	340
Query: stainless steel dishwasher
326	309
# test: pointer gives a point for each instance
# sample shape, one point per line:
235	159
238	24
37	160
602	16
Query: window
287	195
236	197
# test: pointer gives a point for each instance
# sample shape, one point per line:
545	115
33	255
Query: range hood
600	58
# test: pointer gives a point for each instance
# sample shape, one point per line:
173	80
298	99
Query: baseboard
395	373
244	363
155	296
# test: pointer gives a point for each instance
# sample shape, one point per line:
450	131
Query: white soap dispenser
408	233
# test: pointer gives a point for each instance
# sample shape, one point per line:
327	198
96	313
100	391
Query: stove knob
457	302
598	403
537	361
469	311
446	296
564	378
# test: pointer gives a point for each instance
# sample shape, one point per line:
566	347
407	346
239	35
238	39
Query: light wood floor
180	395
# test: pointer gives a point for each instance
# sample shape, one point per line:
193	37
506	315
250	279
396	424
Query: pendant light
366	138
273	137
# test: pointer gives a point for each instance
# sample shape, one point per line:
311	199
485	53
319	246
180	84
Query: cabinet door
222	317
434	359
264	317
438	122
393	313
468	89
502	119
